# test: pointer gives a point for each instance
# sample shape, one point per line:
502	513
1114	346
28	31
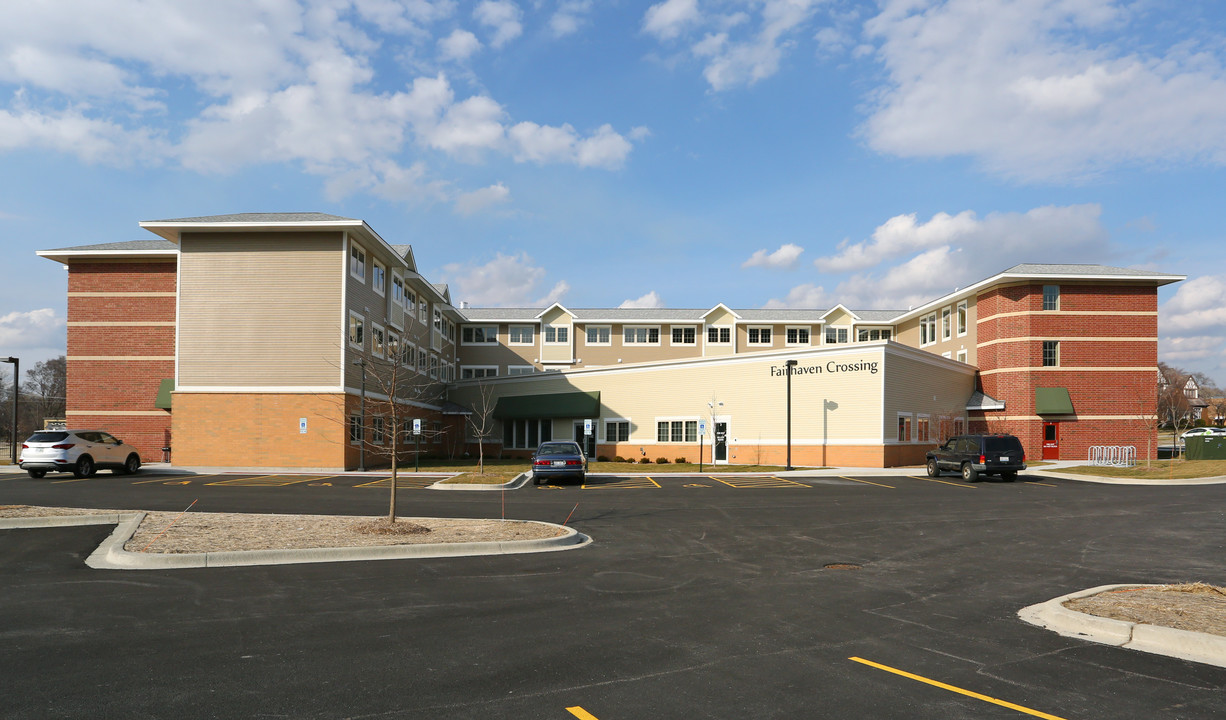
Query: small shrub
644	461
601	458
618	458
661	461
680	461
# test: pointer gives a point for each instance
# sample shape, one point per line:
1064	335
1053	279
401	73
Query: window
376	340
904	428
557	334
398	290
357	262
921	428
355	429
408	354
928	330
423	311
520	369
357	330
640	335
436	431
526	434
797	336
759	336
835	336
520	335
961	318
719	336
946	329
676	431
1051	297
423	362
479	335
474	372
1051	353
684	336
378	278
376	430
872	335
599	334
616	430
393	346
433	367
961	356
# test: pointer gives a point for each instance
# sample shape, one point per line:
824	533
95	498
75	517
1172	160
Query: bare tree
44	391
480	421
1149	420
1218	405
946	423
1174	408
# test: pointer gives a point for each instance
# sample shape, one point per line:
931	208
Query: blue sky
680	153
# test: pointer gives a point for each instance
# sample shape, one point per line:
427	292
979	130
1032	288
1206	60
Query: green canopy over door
557	405
1053	401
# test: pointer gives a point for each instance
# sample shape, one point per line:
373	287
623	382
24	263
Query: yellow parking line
1035	482
581	713
958	690
56	482
957	485
867	482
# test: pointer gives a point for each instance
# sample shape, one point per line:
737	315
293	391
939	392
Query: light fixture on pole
790	364
16	399
361	362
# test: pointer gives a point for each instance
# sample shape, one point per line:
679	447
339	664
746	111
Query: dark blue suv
975	455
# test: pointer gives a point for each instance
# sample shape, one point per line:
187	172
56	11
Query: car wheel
969	473
933	470
131	465
36	474
84	468
1009	476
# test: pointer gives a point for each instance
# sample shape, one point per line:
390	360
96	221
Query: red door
1051	441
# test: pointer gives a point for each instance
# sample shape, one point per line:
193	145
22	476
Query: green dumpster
1206	447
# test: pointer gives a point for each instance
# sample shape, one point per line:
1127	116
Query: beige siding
618	352
260	309
559	352
908	333
719	318
923	386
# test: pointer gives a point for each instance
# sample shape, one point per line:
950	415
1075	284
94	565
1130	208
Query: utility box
1208	447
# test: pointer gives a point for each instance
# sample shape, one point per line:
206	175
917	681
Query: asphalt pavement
882	596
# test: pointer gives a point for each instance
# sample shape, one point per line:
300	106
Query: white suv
79	452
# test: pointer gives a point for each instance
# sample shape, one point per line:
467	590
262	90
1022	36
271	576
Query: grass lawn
1158	470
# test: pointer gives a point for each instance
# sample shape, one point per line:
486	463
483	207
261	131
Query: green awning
1052	401
164	391
557	405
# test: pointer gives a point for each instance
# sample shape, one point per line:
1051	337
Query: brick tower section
121	345
1108	358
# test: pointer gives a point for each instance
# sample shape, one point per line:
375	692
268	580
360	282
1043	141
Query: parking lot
702	596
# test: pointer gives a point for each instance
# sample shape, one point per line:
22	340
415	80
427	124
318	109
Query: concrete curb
518	482
110	555
1104	480
1183	644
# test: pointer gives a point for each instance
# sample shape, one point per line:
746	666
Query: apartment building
263	340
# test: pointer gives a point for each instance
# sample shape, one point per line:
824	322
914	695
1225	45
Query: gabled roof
842	307
717	307
171	228
406	253
541	314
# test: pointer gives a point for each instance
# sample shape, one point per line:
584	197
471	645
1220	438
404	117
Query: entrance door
587	442
720	453
1051	441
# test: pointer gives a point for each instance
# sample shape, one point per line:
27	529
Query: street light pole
16	399
789	365
361	362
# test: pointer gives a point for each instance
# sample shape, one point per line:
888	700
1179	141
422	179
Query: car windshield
1002	444
558	449
47	437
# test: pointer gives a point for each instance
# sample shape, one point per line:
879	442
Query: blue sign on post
587	427
417	426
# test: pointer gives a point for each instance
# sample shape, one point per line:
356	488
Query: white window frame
511	331
378	277
360	263
378	429
963	317
361	341
961	356
598	329
807	329
558	332
423	310
520	369
770	333
410	303
839	332
472	370
378	340
909	417
485	333
1044	298
1043	353
924	421
434	365
719	330
670	420
674	328
408	354
947	323
635	329
629	429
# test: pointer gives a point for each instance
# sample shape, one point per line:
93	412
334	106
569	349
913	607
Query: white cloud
503	17
32	330
650	300
478	200
505	281
1024	89
669	19
907	262
458	46
570	16
71	132
545	144
783	258
1198	306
